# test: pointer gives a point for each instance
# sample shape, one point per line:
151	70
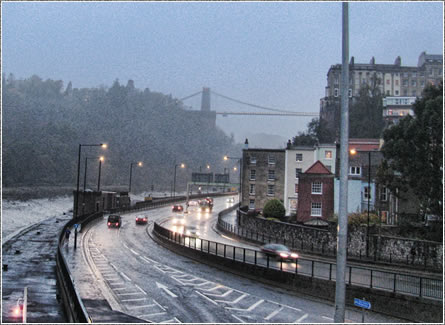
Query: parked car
141	220
177	208
279	251
114	221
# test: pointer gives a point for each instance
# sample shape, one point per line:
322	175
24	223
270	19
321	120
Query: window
271	160
413	83
316	209
405	82
387	92
252	189
336	92
353	170
397	92
397	82
413	93
387	81
270	190
251	204
350	93
296	188
271	175
317	188
384	194
328	154
299	157
297	172
367	193
422	83
253	160
253	174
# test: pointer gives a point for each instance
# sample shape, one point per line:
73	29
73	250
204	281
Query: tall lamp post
174	178
101	158
240	175
85	179
139	163
76	200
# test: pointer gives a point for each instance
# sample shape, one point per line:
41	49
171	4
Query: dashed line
272	314
125	246
115	283
170	320
120	288
326	317
301	318
148	259
126	277
213	302
214	288
145	259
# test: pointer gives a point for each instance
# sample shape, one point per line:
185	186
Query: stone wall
387	249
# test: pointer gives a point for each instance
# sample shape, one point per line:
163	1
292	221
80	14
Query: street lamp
174	179
139	163
353	152
85	179
104	146
240	175
101	158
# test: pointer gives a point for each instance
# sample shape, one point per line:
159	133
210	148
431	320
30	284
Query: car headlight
284	255
294	255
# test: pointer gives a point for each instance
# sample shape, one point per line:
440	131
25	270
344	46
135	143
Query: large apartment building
391	79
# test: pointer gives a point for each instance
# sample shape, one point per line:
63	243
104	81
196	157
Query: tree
274	209
413	151
317	132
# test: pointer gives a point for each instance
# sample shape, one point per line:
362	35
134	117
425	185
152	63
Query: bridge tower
205	99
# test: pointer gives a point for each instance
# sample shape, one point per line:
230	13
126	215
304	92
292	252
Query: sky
273	54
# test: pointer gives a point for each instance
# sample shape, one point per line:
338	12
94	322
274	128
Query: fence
358	276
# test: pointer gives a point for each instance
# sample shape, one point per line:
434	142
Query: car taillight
117	223
145	219
109	223
284	255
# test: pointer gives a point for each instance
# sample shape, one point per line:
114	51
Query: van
114	221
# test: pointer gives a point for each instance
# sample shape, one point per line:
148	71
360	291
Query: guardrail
355	276
74	307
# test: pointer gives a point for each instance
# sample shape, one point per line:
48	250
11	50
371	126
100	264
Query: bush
274	209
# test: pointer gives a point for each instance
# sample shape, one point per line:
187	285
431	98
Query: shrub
274	209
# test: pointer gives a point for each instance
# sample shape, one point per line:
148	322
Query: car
230	200
193	203
141	220
279	251
114	221
177	208
180	220
205	206
210	200
191	231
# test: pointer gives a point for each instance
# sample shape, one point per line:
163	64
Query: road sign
76	225
362	303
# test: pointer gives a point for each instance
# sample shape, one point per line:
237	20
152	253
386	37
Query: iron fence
358	276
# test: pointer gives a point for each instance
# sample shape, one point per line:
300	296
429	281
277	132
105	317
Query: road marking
137	307
136	299
140	289
164	287
128	294
134	252
234	301
113	266
213	302
125	245
238	318
154	314
115	283
156	267
120	288
157	303
171	320
272	314
248	309
301	318
212	289
326	317
148	259
126	277
145	259
228	292
201	284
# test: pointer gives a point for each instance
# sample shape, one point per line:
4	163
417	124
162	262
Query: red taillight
145	219
117	223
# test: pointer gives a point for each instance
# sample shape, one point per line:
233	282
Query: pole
75	237
240	181
131	169
78	179
224	188
25	303
369	197
84	185
98	180
342	232
174	183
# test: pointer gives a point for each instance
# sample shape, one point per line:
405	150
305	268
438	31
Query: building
391	79
316	194
262	176
396	108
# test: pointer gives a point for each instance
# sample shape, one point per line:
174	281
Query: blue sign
76	225
362	303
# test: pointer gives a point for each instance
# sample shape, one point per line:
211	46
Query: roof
318	168
263	150
364	144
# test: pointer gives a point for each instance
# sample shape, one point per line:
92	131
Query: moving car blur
141	220
279	251
114	221
177	208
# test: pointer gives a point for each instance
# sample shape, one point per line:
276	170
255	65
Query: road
147	281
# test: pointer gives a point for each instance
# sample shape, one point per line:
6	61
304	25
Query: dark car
279	251
177	208
205	206
141	220
114	221
210	200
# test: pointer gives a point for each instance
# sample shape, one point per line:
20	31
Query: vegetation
357	219
274	208
43	125
413	152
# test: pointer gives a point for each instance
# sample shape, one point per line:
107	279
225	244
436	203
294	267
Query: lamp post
101	158
85	181
240	175
174	179
76	199
139	163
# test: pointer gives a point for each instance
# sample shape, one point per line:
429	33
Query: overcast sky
275	54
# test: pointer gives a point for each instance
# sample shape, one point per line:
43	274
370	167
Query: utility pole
342	229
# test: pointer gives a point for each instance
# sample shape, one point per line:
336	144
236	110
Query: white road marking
157	303
144	306
113	266
272	314
228	292
213	302
136	299
234	301
170	320
164	287
239	319
115	283
120	288
156	267
326	317
154	314
128	294
134	252
213	289
145	259
201	284
299	320
125	245
140	289
148	259
126	277
248	309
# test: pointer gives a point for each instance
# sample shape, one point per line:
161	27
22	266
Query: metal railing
358	276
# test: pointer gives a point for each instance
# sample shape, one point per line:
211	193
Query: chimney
246	144
372	61
289	144
398	61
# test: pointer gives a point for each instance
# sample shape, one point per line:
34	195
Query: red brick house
315	194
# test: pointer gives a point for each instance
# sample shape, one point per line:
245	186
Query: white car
230	200
180	220
193	203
